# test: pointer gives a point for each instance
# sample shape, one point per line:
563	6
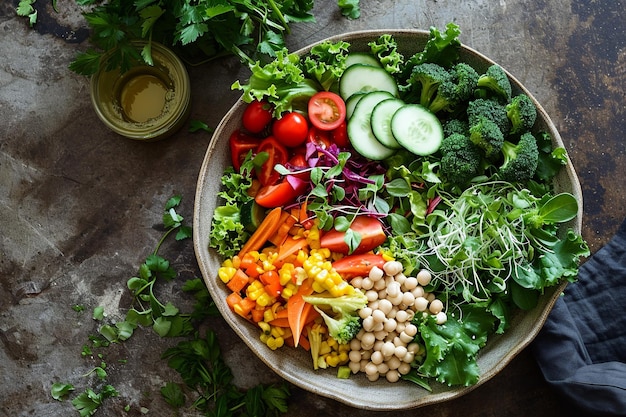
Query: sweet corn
325	278
275	342
226	273
265	327
313	237
256	291
286	273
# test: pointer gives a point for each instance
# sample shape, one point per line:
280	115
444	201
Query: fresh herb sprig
200	30
197	358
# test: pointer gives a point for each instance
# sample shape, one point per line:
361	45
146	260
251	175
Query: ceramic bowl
147	102
294	365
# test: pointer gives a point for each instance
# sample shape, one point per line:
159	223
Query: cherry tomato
240	144
298	162
257	116
277	154
291	129
319	137
280	194
339	135
370	229
326	110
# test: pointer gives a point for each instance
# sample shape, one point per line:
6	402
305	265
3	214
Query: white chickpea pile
385	346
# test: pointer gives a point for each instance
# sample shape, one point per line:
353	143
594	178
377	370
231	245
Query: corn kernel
226	273
265	327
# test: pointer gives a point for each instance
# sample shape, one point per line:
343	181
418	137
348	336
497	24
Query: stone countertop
80	208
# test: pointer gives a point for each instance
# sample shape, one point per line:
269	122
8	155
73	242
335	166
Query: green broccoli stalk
281	82
489	109
343	328
520	160
522	113
424	81
494	82
461	160
456	90
487	136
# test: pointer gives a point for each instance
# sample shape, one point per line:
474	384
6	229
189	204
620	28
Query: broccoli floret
489	109
494	82
520	159
460	158
343	328
346	324
458	89
344	304
487	136
455	126
522	113
426	79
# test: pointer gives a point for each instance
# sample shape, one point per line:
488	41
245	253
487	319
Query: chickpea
368	339
385	306
390	325
367	284
365	312
424	277
379	285
441	317
377	358
435	306
368	324
392	376
421	304
357	282
378	316
376	273
392	268
410	283
355	367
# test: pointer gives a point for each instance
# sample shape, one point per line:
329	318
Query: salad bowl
294	365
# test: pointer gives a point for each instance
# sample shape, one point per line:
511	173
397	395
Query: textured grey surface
80	207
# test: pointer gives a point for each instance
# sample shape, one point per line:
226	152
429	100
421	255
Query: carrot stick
286	222
289	247
266	229
299	310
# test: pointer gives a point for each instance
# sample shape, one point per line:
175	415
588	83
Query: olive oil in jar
143	97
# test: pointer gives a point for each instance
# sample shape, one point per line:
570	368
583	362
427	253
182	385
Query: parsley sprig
199	30
198	358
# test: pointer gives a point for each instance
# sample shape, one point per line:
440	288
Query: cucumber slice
351	103
360	129
362	58
359	78
381	121
251	215
417	129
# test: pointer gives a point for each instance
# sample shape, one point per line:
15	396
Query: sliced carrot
298	310
244	307
289	247
280	322
266	230
257	314
238	282
232	299
286	222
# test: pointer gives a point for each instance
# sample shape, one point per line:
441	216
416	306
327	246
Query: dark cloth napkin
581	350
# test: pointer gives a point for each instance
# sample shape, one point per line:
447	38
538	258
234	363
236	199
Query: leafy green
60	390
87	403
200	30
452	348
201	365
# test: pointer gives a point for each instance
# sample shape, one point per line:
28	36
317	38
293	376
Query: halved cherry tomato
319	137
339	135
358	265
280	194
298	161
370	229
257	116
291	129
277	154
240	144
326	110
